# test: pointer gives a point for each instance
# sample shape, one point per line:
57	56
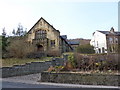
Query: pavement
18	85
33	79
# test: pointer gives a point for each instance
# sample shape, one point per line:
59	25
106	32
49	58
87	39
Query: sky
74	18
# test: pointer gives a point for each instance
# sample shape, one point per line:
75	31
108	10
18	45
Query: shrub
85	49
56	68
84	62
53	53
97	62
19	48
71	60
112	61
35	55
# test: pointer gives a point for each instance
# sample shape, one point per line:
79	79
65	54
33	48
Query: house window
40	34
53	43
116	40
110	49
99	50
103	49
111	40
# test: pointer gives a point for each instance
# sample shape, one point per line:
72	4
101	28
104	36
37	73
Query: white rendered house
105	41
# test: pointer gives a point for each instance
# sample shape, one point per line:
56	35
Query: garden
94	63
88	69
77	66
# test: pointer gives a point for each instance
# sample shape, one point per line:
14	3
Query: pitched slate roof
66	42
74	42
64	36
117	33
108	32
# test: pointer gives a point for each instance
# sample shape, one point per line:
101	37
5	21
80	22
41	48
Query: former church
46	39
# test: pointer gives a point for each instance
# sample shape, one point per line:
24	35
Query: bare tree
19	48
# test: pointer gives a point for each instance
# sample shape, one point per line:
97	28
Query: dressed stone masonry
46	38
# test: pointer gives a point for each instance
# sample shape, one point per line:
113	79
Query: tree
4	32
5	44
19	31
4	40
13	32
85	49
25	31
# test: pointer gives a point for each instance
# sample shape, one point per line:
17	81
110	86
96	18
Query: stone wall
30	68
78	78
50	38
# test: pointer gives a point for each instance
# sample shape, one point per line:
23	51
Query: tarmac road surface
30	81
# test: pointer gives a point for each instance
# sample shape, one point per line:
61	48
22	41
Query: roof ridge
45	21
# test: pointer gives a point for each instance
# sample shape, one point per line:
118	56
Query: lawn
15	61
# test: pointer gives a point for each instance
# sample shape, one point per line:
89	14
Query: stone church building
46	38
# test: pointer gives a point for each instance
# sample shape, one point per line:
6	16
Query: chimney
112	30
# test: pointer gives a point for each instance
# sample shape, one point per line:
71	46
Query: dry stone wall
30	68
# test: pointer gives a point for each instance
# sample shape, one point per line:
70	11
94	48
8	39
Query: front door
40	48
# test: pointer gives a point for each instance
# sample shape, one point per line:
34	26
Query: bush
112	61
53	53
19	48
35	55
97	62
84	62
85	49
55	69
71	60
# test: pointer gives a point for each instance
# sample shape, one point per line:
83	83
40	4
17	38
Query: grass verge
15	61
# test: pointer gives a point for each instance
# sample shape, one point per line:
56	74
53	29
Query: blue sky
74	19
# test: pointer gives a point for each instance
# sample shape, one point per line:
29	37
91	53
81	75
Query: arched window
40	34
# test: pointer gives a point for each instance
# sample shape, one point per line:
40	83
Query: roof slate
108	32
74	42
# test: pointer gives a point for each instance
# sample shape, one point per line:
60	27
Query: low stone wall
30	68
78	78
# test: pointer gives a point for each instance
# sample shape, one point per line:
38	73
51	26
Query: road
31	81
21	85
6	84
17	85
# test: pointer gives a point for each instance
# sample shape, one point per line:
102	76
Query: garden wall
79	78
30	68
